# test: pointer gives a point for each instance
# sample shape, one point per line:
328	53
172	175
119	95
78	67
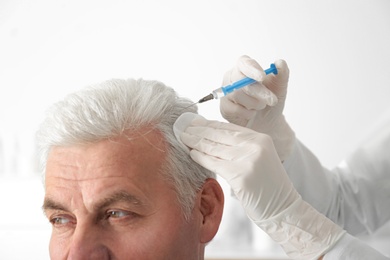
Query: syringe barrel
223	91
237	85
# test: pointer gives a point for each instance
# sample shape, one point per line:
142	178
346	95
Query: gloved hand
259	106
249	163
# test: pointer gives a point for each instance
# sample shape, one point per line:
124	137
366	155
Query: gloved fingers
220	132
188	119
209	162
235	113
283	69
261	94
217	166
213	137
245	67
225	129
223	151
255	96
223	137
246	100
181	124
278	83
250	68
229	76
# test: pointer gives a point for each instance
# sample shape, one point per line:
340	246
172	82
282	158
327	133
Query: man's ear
211	208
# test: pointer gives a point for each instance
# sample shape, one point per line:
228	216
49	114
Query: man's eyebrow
119	196
50	204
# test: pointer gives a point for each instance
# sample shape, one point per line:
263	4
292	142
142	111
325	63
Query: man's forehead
130	150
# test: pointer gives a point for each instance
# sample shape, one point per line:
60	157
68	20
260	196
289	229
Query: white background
337	51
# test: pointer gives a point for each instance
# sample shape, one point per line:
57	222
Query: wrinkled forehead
140	149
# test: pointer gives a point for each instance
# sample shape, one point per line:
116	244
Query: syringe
223	91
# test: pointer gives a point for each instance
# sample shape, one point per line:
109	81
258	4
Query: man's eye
118	213
59	221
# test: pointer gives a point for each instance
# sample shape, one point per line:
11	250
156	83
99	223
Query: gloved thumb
181	124
278	83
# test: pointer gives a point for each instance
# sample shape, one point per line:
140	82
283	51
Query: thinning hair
108	109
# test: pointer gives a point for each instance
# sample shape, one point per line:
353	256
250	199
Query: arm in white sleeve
248	161
350	248
354	195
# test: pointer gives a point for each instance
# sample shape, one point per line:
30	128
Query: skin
108	200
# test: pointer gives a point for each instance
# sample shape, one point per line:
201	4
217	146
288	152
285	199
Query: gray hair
108	109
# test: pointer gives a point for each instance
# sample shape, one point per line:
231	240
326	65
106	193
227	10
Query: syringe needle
206	98
193	104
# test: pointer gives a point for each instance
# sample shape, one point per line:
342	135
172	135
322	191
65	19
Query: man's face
109	201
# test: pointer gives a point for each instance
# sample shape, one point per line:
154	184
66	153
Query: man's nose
87	244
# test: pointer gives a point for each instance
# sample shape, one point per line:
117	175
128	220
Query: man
117	185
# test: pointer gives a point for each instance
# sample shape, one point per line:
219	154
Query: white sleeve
355	195
350	248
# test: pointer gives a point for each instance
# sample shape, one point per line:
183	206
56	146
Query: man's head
118	185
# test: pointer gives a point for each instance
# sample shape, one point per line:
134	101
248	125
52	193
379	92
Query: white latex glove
249	163
259	106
